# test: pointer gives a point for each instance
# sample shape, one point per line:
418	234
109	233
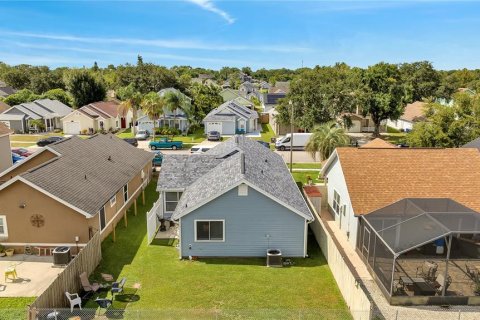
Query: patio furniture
117	287
440	282
427	270
87	286
74	300
419	286
10	272
103	303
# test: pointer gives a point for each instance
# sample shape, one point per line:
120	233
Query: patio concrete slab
34	274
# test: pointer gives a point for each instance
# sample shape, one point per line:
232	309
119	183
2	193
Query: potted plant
9	252
2	251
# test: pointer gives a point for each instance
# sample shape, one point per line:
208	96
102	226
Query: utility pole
291	137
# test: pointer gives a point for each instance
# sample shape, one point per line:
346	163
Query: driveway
34	274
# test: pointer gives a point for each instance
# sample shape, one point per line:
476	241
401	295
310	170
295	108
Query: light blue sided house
231	118
237	199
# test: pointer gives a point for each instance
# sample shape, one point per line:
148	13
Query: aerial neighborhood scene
208	159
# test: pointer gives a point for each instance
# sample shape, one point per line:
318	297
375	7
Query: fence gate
152	222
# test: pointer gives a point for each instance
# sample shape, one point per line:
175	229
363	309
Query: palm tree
131	100
152	105
325	138
174	101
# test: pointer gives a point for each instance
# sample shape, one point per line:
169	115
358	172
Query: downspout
180	238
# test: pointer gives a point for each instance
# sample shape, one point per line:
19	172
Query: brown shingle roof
378	177
414	111
378	143
4	130
108	107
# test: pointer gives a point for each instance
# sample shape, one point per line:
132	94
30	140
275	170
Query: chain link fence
197	314
407	313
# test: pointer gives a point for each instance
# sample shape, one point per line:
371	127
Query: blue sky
256	33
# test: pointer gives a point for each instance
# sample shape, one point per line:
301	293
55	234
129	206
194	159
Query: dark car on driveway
213	136
47	141
132	141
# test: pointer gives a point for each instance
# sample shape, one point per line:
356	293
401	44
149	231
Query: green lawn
22	144
33	138
394	138
302	176
14	308
267	133
127	133
306	165
238	287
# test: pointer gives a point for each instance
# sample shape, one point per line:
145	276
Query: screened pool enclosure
423	248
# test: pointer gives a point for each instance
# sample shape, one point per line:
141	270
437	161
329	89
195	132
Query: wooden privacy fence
69	280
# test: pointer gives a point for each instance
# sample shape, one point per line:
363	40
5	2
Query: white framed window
113	200
125	192
209	230
3	226
171	200
336	202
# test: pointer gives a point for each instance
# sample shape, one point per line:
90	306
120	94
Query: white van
299	141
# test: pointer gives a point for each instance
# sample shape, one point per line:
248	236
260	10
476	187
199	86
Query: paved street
298	156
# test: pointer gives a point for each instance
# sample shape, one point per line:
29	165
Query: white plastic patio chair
74	300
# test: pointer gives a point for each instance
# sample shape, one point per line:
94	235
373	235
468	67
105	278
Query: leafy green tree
37	124
325	138
85	88
58	94
16	78
383	94
174	101
152	105
205	98
20	97
420	79
131	100
320	95
447	126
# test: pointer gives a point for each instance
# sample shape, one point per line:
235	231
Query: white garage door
71	127
214	126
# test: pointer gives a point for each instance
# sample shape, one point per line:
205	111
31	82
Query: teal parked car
165	143
157	160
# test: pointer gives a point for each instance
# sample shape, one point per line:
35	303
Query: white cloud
161	43
210	6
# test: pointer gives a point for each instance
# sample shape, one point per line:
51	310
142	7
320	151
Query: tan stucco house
70	190
5	151
97	116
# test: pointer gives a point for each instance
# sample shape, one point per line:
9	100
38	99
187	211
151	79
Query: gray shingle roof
84	176
180	170
230	108
56	107
472	144
220	169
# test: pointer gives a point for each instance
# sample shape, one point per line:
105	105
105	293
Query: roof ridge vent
242	163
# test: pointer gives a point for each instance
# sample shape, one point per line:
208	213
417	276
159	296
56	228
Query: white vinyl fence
152	221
